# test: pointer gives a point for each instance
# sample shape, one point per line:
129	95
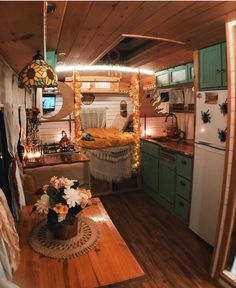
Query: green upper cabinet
213	67
224	64
178	74
163	78
190	71
175	75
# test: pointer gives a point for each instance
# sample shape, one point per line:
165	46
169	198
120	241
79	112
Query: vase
65	232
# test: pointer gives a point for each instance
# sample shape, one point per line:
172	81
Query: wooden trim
227	279
112	45
222	250
153	38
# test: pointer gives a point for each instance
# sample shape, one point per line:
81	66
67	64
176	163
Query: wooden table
110	262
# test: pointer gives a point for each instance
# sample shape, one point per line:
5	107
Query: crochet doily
43	242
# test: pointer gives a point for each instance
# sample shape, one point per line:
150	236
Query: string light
125	69
77	107
135	95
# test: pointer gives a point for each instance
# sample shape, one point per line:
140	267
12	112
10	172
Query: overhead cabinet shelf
213	67
175	76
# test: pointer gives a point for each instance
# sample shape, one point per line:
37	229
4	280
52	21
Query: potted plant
62	200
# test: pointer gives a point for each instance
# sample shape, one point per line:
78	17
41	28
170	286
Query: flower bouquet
62	200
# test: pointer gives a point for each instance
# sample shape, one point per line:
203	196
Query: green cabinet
183	187
167	177
175	75
224	64
150	172
178	74
149	168
163	78
213	67
190	71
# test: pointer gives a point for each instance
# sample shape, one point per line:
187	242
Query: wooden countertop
108	263
59	158
185	148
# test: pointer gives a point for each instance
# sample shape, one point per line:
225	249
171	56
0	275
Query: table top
58	158
110	262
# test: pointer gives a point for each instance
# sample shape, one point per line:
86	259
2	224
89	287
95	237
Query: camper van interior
117	144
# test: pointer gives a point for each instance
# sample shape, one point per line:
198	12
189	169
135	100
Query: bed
110	153
106	137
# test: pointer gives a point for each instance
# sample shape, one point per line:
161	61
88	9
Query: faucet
177	132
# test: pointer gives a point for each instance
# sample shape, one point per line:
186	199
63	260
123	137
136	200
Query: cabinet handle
182	183
181	204
183	162
218	70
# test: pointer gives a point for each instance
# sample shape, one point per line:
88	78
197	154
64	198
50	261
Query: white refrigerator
210	140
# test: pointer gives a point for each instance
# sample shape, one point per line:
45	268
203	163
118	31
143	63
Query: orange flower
61	209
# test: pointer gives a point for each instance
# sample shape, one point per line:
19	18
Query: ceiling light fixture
125	69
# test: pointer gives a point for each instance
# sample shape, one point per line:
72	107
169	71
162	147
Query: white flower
72	197
42	205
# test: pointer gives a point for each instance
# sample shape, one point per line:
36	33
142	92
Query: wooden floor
170	254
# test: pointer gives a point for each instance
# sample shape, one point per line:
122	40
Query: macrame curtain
93	117
111	164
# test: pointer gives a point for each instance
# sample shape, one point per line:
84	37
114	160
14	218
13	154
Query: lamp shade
37	74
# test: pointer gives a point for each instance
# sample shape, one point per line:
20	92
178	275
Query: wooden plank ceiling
85	31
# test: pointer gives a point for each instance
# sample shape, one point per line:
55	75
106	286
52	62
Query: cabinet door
150	171
166	181
190	72
224	64
178	74
163	78
210	67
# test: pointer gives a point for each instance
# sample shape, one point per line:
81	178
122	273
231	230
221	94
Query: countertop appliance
210	140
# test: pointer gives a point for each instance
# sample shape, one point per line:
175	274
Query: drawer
183	187
184	166
181	208
150	148
167	158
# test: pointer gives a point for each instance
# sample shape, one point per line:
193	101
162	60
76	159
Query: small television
49	102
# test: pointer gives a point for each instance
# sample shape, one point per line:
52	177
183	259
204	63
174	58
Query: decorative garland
77	108
134	93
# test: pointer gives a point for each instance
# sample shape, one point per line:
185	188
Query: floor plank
170	254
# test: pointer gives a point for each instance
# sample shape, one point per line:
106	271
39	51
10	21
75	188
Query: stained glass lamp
37	74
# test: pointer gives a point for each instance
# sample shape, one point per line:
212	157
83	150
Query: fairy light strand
77	106
135	95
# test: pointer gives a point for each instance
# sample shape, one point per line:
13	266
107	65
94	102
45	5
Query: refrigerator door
206	192
208	132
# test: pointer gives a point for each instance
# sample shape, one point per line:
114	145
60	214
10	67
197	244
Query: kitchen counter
185	148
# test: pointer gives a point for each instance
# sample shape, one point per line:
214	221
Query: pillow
119	122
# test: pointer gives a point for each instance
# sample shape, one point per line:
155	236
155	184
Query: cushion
119	122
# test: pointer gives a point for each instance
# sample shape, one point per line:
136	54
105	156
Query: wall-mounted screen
49	102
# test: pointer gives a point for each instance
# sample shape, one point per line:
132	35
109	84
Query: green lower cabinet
181	208
167	177
183	187
149	173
